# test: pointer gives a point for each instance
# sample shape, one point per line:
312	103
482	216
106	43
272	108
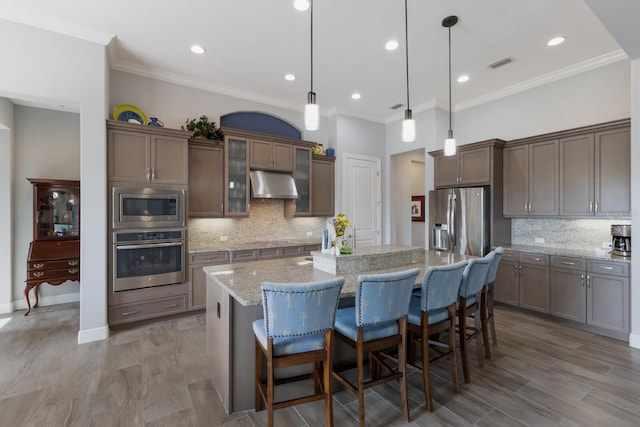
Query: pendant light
311	110
450	142
408	124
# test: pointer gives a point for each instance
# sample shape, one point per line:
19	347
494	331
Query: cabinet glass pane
302	178
237	175
58	214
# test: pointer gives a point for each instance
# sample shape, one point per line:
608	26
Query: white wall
47	146
634	339
59	69
418	189
6	194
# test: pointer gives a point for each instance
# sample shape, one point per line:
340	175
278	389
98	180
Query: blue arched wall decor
260	122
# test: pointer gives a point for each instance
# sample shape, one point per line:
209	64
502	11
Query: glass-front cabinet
56	208
302	177
237	177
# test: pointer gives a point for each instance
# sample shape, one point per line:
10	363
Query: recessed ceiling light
197	49
355	96
463	78
289	77
301	4
555	41
391	45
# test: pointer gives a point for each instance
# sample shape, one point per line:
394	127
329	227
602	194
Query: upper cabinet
206	179
146	154
531	179
302	177
467	167
578	173
270	155
236	166
322	186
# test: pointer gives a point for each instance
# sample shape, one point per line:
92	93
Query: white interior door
362	197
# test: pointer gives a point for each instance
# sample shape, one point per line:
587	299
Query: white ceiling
252	44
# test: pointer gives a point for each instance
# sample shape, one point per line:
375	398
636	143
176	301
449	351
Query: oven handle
151	245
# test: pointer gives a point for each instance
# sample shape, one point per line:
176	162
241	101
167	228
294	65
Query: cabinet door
322	187
446	171
198	287
302	177
261	154
608	302
534	287
506	287
206	181
543	179
577	176
169	158
475	166
613	173
128	156
282	157
516	181
568	294
237	177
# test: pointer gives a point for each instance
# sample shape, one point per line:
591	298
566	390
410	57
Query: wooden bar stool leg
452	347
402	367
462	332
258	377
484	321
477	325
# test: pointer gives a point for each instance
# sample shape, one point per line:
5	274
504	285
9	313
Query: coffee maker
621	240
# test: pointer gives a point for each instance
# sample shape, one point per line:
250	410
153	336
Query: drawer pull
537	259
129	313
73	262
568	263
38	265
38	273
72	270
607	268
170	306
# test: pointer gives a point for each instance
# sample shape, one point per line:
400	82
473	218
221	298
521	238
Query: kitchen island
234	301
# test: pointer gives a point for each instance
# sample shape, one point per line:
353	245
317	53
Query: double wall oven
148	237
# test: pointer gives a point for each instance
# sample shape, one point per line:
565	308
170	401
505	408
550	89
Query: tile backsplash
266	222
563	233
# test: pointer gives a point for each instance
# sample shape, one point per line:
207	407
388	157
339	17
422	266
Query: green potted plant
203	128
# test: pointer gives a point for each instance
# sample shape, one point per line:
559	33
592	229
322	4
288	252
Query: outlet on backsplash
309	233
606	245
539	240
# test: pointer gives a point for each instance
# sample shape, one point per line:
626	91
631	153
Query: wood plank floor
541	374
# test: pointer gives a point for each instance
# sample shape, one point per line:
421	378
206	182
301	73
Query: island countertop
242	280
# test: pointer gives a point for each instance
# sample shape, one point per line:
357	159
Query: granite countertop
235	246
242	280
576	253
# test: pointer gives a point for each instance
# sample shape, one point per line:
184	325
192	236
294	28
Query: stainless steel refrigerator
459	220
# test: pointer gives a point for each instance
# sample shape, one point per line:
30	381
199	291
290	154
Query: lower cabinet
197	279
147	303
523	280
588	291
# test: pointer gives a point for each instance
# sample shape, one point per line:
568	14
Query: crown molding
334	111
180	79
591	64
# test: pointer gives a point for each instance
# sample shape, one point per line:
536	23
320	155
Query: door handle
588	281
566	262
582	280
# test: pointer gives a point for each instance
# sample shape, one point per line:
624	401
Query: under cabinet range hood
272	185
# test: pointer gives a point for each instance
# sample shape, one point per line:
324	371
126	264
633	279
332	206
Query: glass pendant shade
408	127
311	113
450	146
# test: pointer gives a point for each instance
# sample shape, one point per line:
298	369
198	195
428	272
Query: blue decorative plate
129	113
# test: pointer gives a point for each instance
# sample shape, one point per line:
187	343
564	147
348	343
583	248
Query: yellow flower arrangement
340	222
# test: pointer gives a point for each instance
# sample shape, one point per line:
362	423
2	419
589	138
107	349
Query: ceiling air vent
396	106
500	63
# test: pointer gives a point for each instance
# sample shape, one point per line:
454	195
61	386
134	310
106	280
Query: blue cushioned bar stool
471	303
377	322
297	329
491	278
432	313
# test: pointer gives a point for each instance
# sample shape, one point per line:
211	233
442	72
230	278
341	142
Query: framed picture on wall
417	208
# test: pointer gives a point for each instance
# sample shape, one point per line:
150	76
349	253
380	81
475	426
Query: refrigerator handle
452	225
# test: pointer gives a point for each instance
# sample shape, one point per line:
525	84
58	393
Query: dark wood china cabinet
54	253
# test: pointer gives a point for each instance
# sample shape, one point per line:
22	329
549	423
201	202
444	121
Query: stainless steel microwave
148	207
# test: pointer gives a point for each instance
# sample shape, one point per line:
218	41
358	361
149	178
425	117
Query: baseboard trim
634	340
90	335
6	308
